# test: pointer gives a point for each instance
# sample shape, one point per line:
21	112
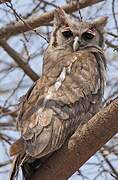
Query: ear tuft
101	22
60	17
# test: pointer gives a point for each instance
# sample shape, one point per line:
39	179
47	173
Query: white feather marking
60	79
52	89
57	85
49	95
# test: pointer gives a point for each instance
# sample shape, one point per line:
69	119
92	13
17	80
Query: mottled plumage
69	92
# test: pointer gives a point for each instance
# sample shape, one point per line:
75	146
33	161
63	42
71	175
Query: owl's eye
87	36
67	34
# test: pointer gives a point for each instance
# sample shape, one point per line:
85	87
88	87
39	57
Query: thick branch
17	58
43	19
82	145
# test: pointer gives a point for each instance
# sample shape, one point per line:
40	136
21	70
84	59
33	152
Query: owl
67	95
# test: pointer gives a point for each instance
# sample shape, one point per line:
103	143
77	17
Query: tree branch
4	1
109	163
109	44
17	58
87	140
35	22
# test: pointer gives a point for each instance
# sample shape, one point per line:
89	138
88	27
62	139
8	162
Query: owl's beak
76	43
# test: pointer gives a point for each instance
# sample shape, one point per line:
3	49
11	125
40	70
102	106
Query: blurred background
15	81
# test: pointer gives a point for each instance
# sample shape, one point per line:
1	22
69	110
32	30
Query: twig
113	12
14	90
80	13
25	23
43	19
109	163
115	47
112	34
20	61
2	164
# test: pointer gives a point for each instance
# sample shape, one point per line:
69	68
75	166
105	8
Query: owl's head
73	34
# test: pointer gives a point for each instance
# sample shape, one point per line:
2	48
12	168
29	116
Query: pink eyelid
66	29
92	31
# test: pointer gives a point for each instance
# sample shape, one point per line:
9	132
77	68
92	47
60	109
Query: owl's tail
15	168
28	164
18	151
26	169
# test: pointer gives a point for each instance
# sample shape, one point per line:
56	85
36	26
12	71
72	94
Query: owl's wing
32	119
36	119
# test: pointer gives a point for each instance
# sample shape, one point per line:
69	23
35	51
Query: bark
4	1
34	22
85	142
